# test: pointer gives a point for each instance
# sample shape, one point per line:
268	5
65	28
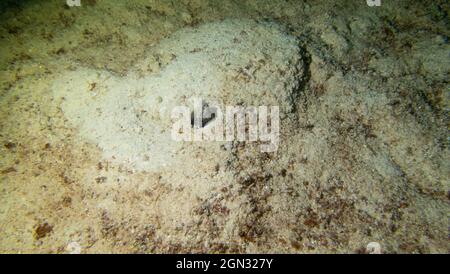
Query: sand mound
233	62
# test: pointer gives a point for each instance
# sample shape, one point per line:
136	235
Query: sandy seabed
363	153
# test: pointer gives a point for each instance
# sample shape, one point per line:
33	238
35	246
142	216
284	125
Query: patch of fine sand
86	165
234	62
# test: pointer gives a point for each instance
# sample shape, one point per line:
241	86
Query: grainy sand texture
88	164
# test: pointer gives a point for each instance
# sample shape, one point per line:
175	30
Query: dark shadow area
11	8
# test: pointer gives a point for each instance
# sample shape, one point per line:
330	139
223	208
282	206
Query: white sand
363	153
232	62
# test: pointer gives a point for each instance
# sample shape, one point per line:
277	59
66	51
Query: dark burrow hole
208	115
